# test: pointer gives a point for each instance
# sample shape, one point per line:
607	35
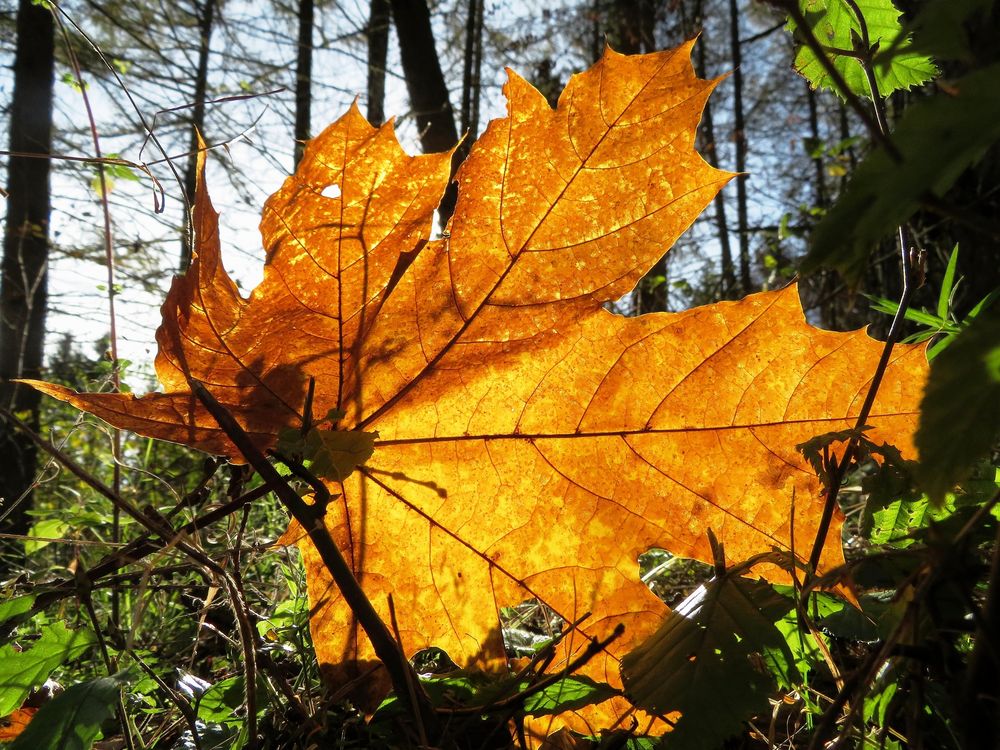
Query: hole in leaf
432	661
528	627
331	191
670	577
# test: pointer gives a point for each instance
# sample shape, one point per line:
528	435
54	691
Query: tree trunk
727	273
630	31
819	169
23	284
378	51
303	79
205	24
740	141
425	84
471	70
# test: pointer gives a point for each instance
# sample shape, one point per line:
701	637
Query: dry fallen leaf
13	724
529	442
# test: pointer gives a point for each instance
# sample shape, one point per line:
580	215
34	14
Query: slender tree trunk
206	22
23	283
303	79
727	273
378	51
819	192
471	70
630	31
827	281
740	141
426	86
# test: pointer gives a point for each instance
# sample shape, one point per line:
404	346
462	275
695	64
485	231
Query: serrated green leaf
709	660
72	720
21	671
938	139
960	412
893	524
835	26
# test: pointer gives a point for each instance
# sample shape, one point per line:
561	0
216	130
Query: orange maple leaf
530	443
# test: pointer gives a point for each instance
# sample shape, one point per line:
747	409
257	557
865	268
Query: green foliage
960	413
713	659
941	29
23	670
72	720
836	26
15	607
937	139
40	532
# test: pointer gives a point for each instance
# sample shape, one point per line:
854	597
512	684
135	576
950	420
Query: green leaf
938	139
49	528
221	703
218	704
20	671
960	412
894	524
711	660
72	720
947	283
15	607
568	694
835	25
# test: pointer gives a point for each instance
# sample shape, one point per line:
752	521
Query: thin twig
109	261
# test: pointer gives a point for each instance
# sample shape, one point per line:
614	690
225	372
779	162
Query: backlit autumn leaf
530	443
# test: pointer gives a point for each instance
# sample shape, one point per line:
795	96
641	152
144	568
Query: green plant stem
311	519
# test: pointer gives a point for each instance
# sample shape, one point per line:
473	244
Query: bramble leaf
836	27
